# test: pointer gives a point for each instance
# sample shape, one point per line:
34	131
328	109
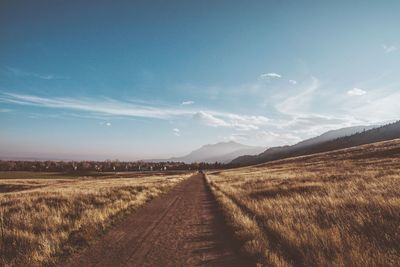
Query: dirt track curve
181	228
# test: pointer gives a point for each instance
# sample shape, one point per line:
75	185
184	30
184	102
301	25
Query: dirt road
181	228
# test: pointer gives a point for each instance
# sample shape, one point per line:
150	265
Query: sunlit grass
44	220
332	209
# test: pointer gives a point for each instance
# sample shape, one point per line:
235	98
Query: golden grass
340	208
44	220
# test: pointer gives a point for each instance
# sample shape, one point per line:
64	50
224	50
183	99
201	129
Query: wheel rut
183	227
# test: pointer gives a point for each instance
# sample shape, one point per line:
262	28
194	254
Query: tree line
104	166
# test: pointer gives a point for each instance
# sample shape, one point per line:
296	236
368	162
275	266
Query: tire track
151	229
180	228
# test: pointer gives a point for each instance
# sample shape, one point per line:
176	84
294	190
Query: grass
339	208
45	218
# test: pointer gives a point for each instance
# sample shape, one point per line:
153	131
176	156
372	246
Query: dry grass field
45	217
340	208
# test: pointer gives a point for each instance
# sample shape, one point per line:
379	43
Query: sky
133	80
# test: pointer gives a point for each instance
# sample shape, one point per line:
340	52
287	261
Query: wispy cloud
356	92
105	106
108	124
302	115
270	75
389	48
5	110
301	111
176	132
380	106
22	73
209	119
272	138
237	137
112	107
309	125
306	110
246	123
299	102
189	102
230	120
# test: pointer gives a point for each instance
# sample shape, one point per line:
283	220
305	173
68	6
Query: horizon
166	159
146	80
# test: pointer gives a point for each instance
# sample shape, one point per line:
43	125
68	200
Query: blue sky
149	79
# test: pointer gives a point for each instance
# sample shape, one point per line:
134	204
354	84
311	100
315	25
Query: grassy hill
339	208
386	132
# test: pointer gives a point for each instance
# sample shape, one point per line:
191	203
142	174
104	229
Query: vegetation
103	166
43	220
307	147
340	208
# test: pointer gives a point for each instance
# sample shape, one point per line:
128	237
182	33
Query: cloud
309	125
176	132
381	106
189	102
230	120
104	106
209	119
112	107
356	92
313	111
22	73
389	48
266	135
298	103
272	138
237	137
301	112
5	110
270	75
246	123
108	124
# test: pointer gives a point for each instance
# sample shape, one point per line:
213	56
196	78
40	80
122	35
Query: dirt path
182	228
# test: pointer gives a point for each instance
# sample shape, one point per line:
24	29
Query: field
47	216
339	208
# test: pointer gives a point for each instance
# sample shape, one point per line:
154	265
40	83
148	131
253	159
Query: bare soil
183	227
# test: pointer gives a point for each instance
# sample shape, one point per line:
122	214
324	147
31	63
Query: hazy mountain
334	134
222	152
325	142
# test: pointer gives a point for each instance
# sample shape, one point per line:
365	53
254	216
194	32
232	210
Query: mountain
334	134
336	139
222	152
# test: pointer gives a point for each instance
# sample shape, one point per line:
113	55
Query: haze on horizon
155	79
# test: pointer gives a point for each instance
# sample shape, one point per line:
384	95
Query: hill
337	208
337	139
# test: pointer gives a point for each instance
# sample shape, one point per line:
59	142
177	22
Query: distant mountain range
222	152
226	152
337	139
